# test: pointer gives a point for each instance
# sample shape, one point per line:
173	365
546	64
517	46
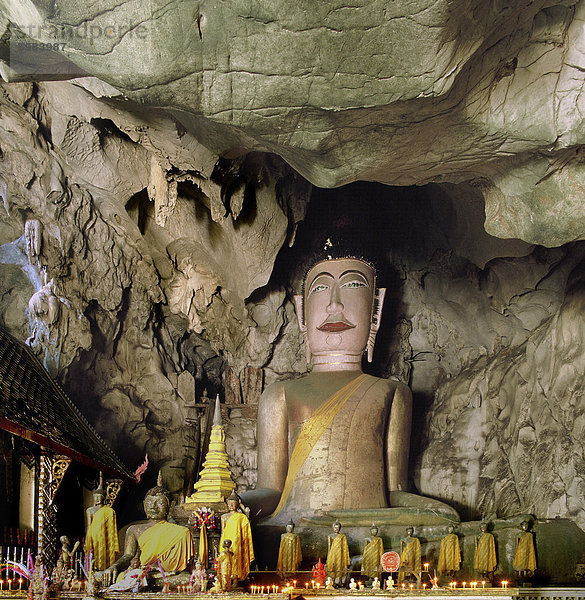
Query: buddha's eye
354	284
319	288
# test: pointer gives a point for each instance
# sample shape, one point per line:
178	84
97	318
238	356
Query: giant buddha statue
335	439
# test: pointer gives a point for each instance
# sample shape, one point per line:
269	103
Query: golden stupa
215	481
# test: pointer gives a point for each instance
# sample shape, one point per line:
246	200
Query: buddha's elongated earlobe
376	319
300	306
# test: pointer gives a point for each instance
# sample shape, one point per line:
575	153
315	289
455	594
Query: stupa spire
215	481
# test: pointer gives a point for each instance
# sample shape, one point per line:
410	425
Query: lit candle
261	589
483	584
1	584
9	584
504	584
424	586
307	585
426	566
294	583
20	583
412	586
403	585
463	583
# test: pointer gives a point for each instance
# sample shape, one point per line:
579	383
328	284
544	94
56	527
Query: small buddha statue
306	425
289	551
410	555
101	538
235	526
372	556
338	560
352	585
224	566
155	539
525	555
450	554
376	585
485	552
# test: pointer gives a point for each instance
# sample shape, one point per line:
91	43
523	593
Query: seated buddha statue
335	438
155	539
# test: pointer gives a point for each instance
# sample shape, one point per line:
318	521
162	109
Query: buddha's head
233	502
99	497
410	531
156	504
336	527
290	526
227	544
374	529
339	313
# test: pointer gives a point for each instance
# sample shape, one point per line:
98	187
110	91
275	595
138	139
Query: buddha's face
290	527
336	527
374	530
156	507
338	302
98	499
232	505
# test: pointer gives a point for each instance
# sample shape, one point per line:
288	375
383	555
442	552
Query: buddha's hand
107	577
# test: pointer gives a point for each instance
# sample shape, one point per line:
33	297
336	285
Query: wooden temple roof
34	407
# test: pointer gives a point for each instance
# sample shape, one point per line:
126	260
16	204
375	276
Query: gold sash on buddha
312	431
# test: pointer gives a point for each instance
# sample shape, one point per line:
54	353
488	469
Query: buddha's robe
372	557
170	543
289	553
237	529
485	553
338	557
525	557
450	554
102	538
339	442
411	556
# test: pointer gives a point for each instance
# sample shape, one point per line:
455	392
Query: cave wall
139	264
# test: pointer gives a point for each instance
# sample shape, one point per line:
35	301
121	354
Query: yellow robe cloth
102	538
410	556
372	557
289	553
338	557
450	554
485	554
203	546
525	557
170	543
237	529
312	431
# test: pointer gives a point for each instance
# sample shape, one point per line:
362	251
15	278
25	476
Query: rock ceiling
400	92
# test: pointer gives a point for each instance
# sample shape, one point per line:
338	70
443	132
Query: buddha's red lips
335	326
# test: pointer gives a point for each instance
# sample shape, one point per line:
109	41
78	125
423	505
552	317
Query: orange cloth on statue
450	554
237	529
485	553
289	553
338	557
170	543
102	538
525	557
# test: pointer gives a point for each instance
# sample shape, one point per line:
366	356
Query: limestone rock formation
394	92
